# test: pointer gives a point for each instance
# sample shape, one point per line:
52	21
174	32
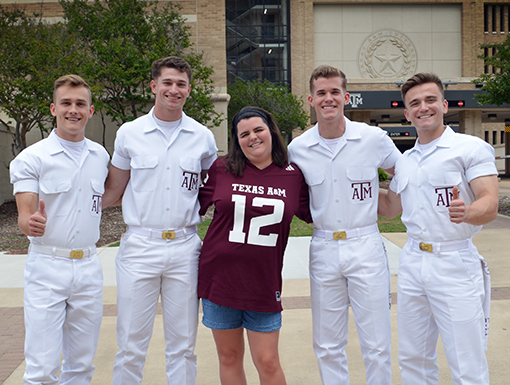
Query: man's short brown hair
327	71
179	64
73	81
418	79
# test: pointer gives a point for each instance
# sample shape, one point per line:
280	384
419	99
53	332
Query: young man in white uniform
348	263
157	165
448	186
58	183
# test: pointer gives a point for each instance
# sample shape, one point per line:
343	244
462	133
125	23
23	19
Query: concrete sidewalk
296	351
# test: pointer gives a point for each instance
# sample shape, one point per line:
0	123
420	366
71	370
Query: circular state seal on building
387	54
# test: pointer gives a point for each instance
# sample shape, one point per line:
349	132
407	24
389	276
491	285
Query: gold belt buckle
169	234
426	247
339	235
76	254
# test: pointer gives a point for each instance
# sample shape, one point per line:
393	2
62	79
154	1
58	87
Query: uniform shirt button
419	186
168	167
421	207
334	180
168	209
336	200
168	188
339	220
79	210
77	231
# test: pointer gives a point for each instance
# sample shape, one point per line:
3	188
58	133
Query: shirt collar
151	125
351	133
445	140
351	130
54	146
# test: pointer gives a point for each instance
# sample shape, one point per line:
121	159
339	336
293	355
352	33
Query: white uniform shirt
163	188
344	184
72	191
425	185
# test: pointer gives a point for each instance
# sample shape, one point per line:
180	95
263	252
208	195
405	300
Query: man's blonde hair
73	81
327	71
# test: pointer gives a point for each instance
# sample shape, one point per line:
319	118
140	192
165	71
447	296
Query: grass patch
202	228
299	228
394	225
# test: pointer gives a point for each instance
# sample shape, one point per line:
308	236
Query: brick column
359	116
470	122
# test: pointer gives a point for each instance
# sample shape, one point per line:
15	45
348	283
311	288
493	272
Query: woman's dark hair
236	159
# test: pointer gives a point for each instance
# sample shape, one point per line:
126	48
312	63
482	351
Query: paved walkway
296	351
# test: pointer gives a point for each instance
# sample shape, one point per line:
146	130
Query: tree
124	37
32	55
496	85
286	108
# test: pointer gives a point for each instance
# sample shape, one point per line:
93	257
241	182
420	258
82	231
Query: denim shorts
225	318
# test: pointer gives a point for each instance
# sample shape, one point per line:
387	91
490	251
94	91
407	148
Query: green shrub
382	175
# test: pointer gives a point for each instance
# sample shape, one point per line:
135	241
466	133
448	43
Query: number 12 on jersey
237	234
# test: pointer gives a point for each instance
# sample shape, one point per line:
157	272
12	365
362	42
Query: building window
486	136
258	40
494	137
496	19
502	141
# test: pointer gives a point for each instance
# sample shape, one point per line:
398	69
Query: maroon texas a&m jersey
242	255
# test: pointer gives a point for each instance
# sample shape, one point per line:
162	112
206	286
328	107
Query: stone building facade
378	44
381	44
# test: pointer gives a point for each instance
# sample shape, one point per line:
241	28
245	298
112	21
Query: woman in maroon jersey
256	194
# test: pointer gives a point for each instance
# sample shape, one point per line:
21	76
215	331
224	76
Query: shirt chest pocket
317	188
442	188
190	179
143	174
361	184
400	183
54	192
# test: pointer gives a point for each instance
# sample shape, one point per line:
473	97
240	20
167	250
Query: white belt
345	234
437	247
163	234
68	253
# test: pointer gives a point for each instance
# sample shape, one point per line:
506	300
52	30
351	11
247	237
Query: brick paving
12	338
12	329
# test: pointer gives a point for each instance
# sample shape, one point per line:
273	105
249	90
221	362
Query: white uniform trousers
146	268
63	304
351	271
442	293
